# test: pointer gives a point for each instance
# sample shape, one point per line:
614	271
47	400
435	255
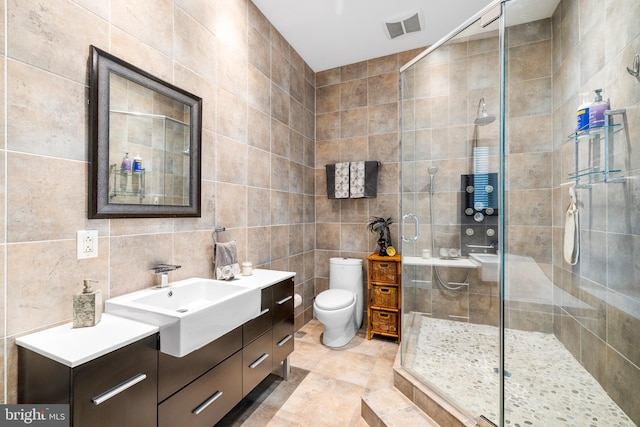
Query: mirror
145	143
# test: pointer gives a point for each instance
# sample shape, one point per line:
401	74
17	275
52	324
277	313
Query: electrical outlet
87	244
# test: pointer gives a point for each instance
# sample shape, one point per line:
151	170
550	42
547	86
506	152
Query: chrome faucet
163	270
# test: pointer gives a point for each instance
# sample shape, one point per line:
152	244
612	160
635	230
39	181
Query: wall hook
635	71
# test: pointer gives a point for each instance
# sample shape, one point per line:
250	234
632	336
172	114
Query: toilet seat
334	299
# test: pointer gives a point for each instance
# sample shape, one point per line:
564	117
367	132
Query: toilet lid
334	299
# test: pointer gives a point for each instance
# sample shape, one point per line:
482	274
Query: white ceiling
333	33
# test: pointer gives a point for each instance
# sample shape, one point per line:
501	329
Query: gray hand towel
226	259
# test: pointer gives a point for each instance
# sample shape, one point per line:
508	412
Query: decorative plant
381	226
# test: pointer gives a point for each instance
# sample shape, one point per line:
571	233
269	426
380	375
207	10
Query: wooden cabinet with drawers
385	296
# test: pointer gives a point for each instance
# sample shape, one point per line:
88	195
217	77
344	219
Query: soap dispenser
597	109
87	306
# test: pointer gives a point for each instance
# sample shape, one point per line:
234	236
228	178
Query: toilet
340	308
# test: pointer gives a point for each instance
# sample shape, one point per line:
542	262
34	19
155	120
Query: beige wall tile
49	105
54	36
148	21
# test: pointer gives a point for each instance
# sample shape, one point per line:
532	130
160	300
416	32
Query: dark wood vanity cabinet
195	390
200	388
117	389
283	321
268	339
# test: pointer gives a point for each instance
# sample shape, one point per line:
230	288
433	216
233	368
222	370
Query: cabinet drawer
205	401
384	296
282	339
384	271
176	372
257	362
282	300
258	326
384	321
119	388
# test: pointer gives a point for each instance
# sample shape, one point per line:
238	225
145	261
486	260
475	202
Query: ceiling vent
409	23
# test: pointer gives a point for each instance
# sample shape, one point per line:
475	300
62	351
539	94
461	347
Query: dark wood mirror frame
102	65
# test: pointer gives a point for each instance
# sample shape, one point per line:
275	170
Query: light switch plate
87	244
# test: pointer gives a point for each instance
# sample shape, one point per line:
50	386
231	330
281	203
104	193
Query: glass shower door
450	156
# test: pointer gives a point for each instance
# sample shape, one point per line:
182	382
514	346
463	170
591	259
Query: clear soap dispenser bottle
87	306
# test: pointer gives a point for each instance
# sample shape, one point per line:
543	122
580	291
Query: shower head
432	172
483	118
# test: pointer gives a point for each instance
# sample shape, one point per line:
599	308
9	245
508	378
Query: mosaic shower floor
544	384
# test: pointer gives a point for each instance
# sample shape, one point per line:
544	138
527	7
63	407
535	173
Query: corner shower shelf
120	184
595	134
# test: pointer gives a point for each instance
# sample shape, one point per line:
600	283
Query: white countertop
439	262
263	278
75	346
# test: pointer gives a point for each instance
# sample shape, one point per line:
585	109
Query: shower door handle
415	220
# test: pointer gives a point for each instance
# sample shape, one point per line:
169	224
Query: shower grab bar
417	223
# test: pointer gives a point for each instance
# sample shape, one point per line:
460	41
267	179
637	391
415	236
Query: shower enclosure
499	318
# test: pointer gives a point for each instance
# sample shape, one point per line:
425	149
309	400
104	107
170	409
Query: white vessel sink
190	313
488	266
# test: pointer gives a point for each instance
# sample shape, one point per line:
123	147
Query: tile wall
357	119
258	162
597	313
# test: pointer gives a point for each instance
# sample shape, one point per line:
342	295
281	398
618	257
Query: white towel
572	231
342	180
356	183
226	259
364	179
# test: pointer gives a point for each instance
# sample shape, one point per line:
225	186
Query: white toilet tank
346	273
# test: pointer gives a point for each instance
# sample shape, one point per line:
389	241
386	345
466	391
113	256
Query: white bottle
582	127
137	163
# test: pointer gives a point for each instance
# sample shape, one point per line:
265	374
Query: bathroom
263	162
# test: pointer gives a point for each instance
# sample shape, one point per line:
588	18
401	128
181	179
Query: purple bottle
596	110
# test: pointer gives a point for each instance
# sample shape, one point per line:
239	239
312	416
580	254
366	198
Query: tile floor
325	386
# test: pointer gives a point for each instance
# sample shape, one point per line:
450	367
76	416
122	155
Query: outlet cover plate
87	244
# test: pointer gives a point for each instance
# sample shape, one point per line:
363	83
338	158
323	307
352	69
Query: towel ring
217	230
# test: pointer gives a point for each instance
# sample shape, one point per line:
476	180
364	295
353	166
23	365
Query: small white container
426	253
247	268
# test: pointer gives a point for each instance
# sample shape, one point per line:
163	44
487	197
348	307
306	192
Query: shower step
430	403
389	407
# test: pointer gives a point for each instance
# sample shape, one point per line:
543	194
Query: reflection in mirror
146	150
148	146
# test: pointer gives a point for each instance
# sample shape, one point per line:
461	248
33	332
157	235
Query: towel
338	180
226	259
364	179
572	231
331	181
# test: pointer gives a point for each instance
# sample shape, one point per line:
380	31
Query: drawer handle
283	300
284	340
207	402
385	290
383	315
384	265
118	389
265	311
259	361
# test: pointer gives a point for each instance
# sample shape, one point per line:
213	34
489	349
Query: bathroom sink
488	266
190	313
